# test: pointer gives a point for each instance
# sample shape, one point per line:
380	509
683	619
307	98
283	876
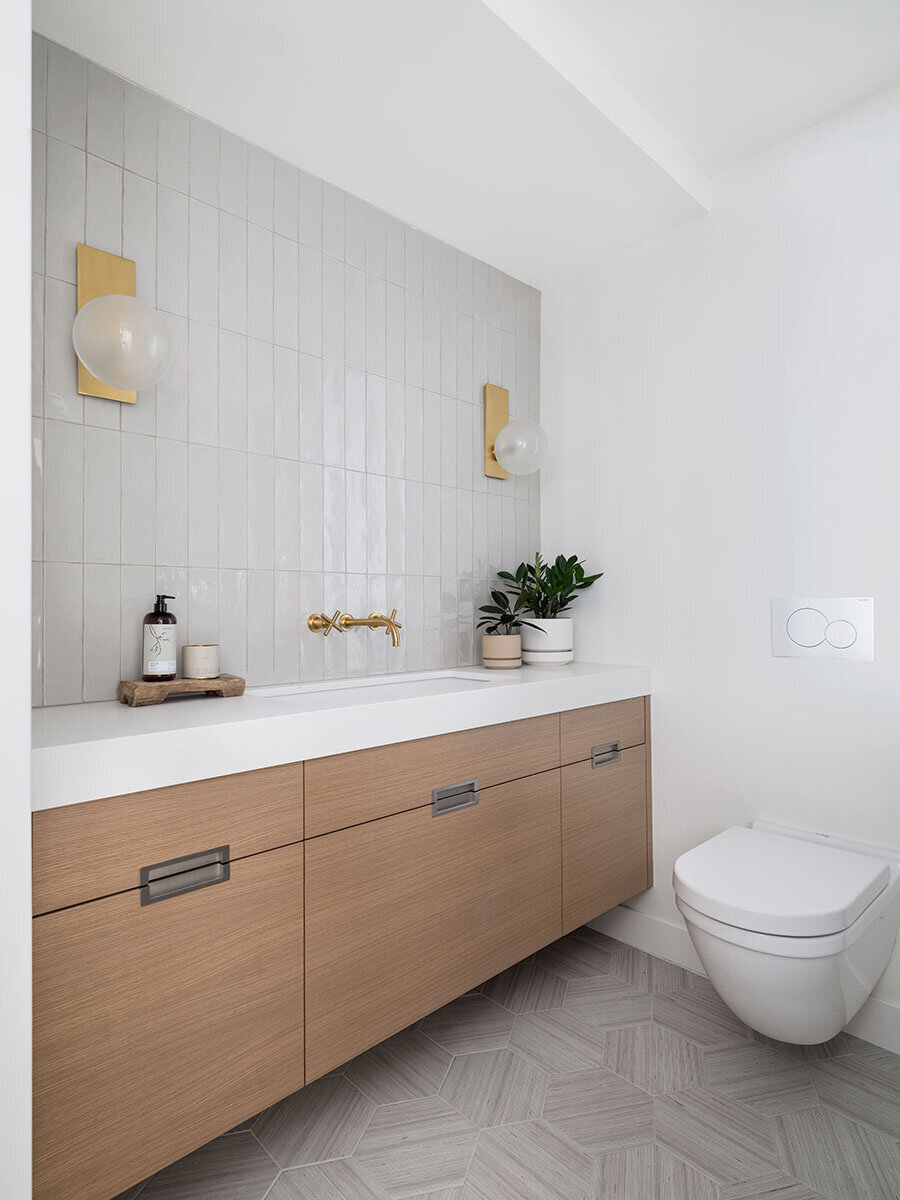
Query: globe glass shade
521	447
122	342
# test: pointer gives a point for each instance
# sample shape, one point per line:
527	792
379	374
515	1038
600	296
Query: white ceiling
728	77
535	134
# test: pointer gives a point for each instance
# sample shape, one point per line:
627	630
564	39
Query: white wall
15	503
724	404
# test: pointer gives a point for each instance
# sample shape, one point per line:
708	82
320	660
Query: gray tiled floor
589	1072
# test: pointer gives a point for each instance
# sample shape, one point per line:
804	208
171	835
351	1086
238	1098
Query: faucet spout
390	625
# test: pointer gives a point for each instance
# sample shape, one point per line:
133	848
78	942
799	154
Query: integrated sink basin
383	687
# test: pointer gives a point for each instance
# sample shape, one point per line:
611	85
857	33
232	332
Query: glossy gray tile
302	331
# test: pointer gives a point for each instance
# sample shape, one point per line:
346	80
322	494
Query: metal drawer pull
456	796
601	755
160	881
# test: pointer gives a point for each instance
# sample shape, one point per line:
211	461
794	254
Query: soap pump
160	659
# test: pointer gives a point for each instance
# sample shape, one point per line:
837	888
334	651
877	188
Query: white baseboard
878	1021
660	938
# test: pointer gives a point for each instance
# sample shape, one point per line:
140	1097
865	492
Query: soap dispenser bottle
160	646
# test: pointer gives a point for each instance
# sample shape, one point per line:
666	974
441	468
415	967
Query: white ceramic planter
501	651
553	642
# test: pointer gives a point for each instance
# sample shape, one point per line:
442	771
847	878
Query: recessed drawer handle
161	881
456	796
601	755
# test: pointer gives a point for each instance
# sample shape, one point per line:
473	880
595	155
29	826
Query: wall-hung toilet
794	929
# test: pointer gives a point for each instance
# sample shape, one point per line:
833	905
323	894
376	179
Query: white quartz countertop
86	751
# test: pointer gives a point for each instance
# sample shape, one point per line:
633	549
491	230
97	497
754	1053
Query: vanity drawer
84	851
158	1027
348	789
404	914
581	730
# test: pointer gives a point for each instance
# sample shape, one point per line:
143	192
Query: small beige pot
502	651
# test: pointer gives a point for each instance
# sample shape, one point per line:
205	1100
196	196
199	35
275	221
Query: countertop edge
80	771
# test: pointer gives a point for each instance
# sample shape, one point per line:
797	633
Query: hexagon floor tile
526	988
653	1058
678	1181
590	1071
760	1077
530	1162
326	1119
416	1147
340	1180
408	1066
626	1174
606	1002
558	1041
233	1167
461	1193
865	1087
573	957
700	1017
497	1087
648	974
715	1135
471	1023
773	1187
599	1111
596	989
843	1160
844	1043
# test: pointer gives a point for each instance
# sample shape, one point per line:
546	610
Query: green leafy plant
547	589
502	617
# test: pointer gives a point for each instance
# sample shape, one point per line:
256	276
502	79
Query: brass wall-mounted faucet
322	623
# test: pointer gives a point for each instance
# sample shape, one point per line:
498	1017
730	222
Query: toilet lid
770	883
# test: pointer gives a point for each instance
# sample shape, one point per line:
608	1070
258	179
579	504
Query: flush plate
824	627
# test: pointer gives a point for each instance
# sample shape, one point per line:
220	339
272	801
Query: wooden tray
137	693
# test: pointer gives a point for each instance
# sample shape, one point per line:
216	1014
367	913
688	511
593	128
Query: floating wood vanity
204	949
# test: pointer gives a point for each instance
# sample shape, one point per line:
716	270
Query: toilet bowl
793	928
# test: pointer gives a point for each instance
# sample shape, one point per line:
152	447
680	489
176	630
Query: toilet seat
768	884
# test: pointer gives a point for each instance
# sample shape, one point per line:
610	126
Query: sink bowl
382	687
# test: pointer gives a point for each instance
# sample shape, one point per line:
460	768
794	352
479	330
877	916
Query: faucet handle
321	623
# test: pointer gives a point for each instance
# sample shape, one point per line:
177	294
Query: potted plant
501	646
546	590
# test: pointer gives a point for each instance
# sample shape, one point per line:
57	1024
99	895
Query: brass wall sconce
121	343
516	447
322	623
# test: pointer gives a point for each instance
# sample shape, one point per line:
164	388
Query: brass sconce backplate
496	415
102	274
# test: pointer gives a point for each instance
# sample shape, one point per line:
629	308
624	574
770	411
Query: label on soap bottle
160	650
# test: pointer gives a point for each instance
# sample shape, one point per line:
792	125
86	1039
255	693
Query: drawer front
605	835
583	729
405	914
85	851
159	1027
348	789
